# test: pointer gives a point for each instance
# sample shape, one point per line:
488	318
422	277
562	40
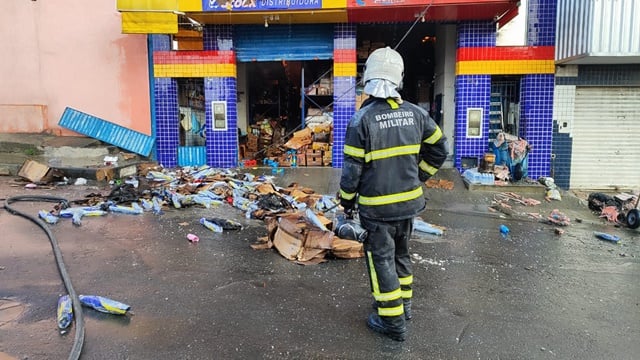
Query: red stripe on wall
506	53
194	57
344	55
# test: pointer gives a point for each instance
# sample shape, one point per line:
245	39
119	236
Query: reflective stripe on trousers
389	267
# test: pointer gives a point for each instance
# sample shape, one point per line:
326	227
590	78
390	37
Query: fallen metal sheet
103	130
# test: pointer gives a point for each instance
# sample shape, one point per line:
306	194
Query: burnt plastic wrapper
65	312
104	304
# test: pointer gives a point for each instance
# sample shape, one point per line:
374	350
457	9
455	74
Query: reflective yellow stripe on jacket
391	198
427	168
437	135
391	152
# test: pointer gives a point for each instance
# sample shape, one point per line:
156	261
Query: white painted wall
514	33
445	79
70	53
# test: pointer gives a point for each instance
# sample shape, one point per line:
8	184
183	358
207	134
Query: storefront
284	66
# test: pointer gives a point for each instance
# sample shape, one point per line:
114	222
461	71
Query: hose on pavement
78	341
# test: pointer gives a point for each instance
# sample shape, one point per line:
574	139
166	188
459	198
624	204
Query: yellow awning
149	22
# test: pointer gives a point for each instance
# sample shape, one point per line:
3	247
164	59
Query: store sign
257	5
358	3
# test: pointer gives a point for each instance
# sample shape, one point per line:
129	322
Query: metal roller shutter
283	42
606	138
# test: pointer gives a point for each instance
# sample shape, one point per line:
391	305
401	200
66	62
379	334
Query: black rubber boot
407	310
376	324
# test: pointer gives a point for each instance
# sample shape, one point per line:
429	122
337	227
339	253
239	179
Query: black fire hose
78	341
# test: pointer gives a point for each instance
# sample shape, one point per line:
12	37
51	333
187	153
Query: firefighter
391	147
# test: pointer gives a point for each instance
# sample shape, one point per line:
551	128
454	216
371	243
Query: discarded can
606	237
65	312
104	304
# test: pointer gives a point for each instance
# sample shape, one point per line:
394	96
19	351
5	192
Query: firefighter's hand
347	205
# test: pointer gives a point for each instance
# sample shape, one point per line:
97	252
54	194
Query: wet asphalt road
477	295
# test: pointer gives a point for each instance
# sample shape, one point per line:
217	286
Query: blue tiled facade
222	146
472	91
536	121
344	93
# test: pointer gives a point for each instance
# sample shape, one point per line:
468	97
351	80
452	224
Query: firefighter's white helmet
384	63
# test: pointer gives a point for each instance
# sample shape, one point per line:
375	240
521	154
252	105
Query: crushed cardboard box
37	172
297	239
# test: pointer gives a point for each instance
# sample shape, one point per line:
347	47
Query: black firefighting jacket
390	150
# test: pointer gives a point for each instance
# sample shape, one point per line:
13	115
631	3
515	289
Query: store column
536	98
222	142
165	92
473	93
344	86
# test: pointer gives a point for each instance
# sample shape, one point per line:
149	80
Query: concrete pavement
477	295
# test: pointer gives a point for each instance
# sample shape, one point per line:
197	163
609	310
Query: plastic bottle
104	304
65	312
504	230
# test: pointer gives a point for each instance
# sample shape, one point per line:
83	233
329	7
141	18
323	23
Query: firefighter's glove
347	205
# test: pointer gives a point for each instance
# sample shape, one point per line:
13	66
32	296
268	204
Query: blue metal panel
283	42
103	130
192	155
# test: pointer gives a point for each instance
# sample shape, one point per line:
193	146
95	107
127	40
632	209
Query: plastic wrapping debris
64	312
48	217
225	224
606	237
104	304
420	225
134	209
211	226
504	231
314	220
193	237
349	229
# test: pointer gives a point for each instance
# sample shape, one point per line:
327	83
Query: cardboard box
314	160
320	146
35	172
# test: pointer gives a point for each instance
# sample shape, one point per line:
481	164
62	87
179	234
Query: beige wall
70	53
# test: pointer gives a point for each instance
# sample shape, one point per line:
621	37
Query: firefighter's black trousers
389	267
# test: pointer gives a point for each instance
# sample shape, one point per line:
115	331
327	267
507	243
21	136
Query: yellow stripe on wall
194	70
344	69
505	67
124	5
334	4
149	23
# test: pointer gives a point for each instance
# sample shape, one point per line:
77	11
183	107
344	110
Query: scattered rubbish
104	304
424	227
111	161
606	237
31	186
80	181
296	238
552	190
193	238
225	224
349	228
439	184
65	313
211	226
47	217
558	231
504	231
134	209
558	218
37	172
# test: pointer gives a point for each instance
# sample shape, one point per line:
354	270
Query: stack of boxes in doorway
311	146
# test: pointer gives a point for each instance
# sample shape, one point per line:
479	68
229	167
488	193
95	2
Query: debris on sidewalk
439	184
606	237
104	304
64	313
421	226
552	190
558	218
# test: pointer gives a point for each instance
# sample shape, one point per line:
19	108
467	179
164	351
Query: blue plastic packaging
606	237
65	312
504	230
211	226
104	304
47	217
